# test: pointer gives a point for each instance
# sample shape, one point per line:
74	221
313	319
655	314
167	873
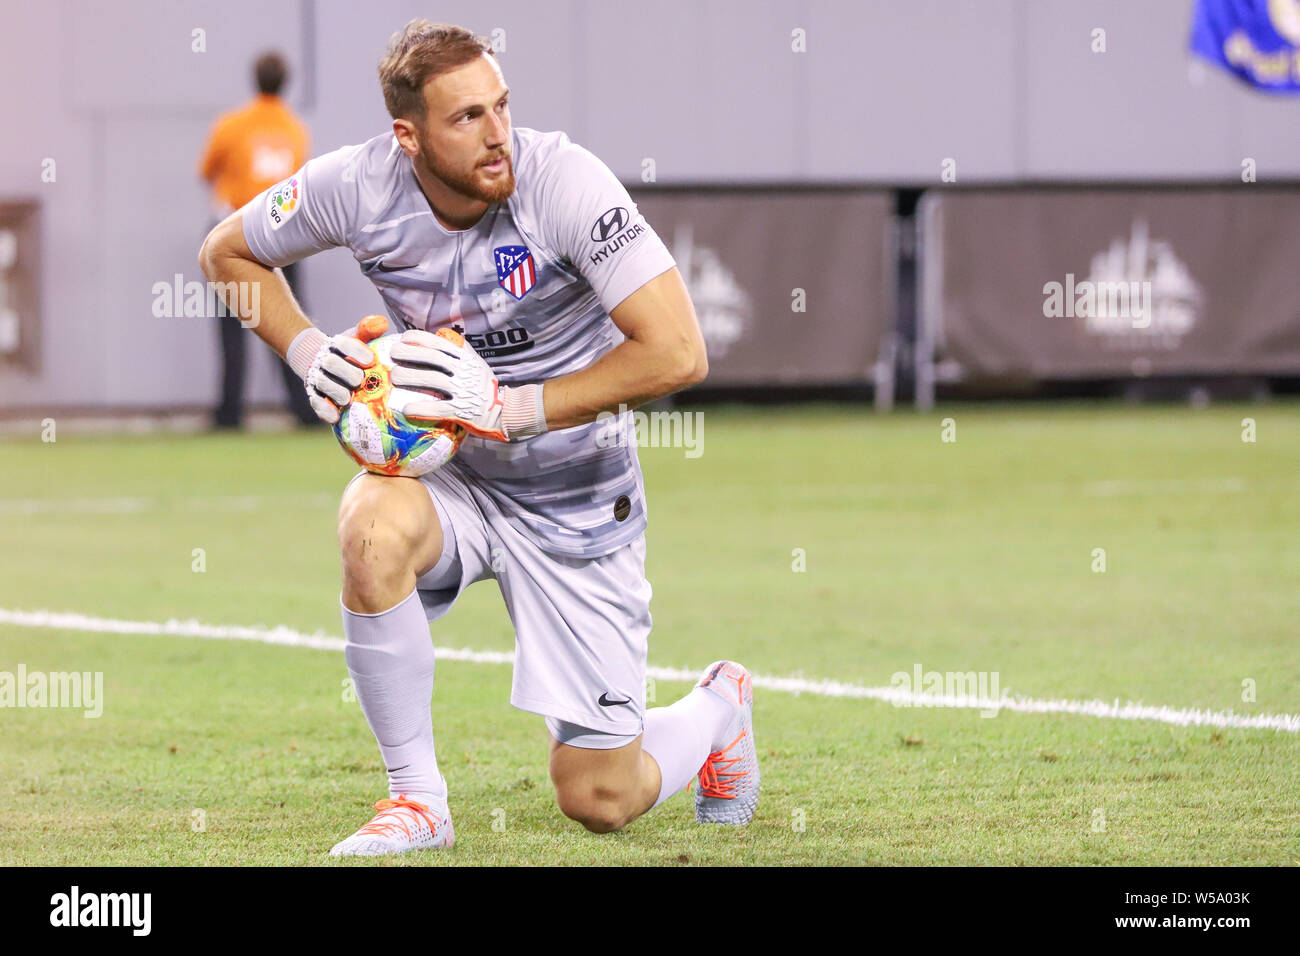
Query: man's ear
404	130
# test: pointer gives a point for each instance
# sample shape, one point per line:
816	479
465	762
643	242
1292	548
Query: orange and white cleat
728	781
401	825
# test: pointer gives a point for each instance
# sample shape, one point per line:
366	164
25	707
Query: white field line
1109	488
1170	486
1129	710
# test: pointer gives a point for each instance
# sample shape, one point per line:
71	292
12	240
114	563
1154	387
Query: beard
470	181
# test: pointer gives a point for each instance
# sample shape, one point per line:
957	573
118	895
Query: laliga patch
283	202
515	270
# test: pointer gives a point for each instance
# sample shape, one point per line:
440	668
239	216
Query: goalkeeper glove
468	393
331	368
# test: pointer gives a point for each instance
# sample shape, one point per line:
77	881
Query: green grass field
973	555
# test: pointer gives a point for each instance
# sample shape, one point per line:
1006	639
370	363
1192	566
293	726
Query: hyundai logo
610	223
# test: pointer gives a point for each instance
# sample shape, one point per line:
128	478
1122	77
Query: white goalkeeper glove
332	368
468	393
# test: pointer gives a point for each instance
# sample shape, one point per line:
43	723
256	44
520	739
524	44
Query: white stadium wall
712	92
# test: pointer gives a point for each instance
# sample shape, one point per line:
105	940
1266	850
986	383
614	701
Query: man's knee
601	809
386	533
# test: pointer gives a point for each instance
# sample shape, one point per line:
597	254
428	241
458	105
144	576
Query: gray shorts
582	625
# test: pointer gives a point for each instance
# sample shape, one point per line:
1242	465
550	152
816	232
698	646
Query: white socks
390	657
680	737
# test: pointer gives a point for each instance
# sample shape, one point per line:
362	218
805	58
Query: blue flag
1257	40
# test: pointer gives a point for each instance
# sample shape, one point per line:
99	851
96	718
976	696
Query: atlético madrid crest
515	270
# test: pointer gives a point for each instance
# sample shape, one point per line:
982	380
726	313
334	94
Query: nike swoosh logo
606	702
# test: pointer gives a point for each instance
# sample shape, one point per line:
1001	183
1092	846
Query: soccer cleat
400	826
728	781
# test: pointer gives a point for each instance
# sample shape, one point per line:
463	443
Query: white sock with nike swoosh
681	736
390	657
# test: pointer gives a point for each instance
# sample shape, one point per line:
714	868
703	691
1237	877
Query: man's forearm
662	352
629	375
279	318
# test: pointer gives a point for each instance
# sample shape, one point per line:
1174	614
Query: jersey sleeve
313	210
597	227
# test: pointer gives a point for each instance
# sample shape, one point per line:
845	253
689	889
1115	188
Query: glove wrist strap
303	349
524	414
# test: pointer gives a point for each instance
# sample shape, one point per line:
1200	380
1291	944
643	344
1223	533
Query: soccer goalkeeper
572	306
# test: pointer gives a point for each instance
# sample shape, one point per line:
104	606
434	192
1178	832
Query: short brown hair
270	71
419	50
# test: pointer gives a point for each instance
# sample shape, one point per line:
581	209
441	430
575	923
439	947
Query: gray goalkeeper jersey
531	285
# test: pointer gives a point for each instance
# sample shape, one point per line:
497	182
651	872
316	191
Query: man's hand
469	394
332	368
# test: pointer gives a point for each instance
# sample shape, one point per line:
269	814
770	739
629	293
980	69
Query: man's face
465	136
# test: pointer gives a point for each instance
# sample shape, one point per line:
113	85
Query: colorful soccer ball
379	437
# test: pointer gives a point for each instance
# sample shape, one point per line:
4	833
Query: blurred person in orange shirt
249	150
